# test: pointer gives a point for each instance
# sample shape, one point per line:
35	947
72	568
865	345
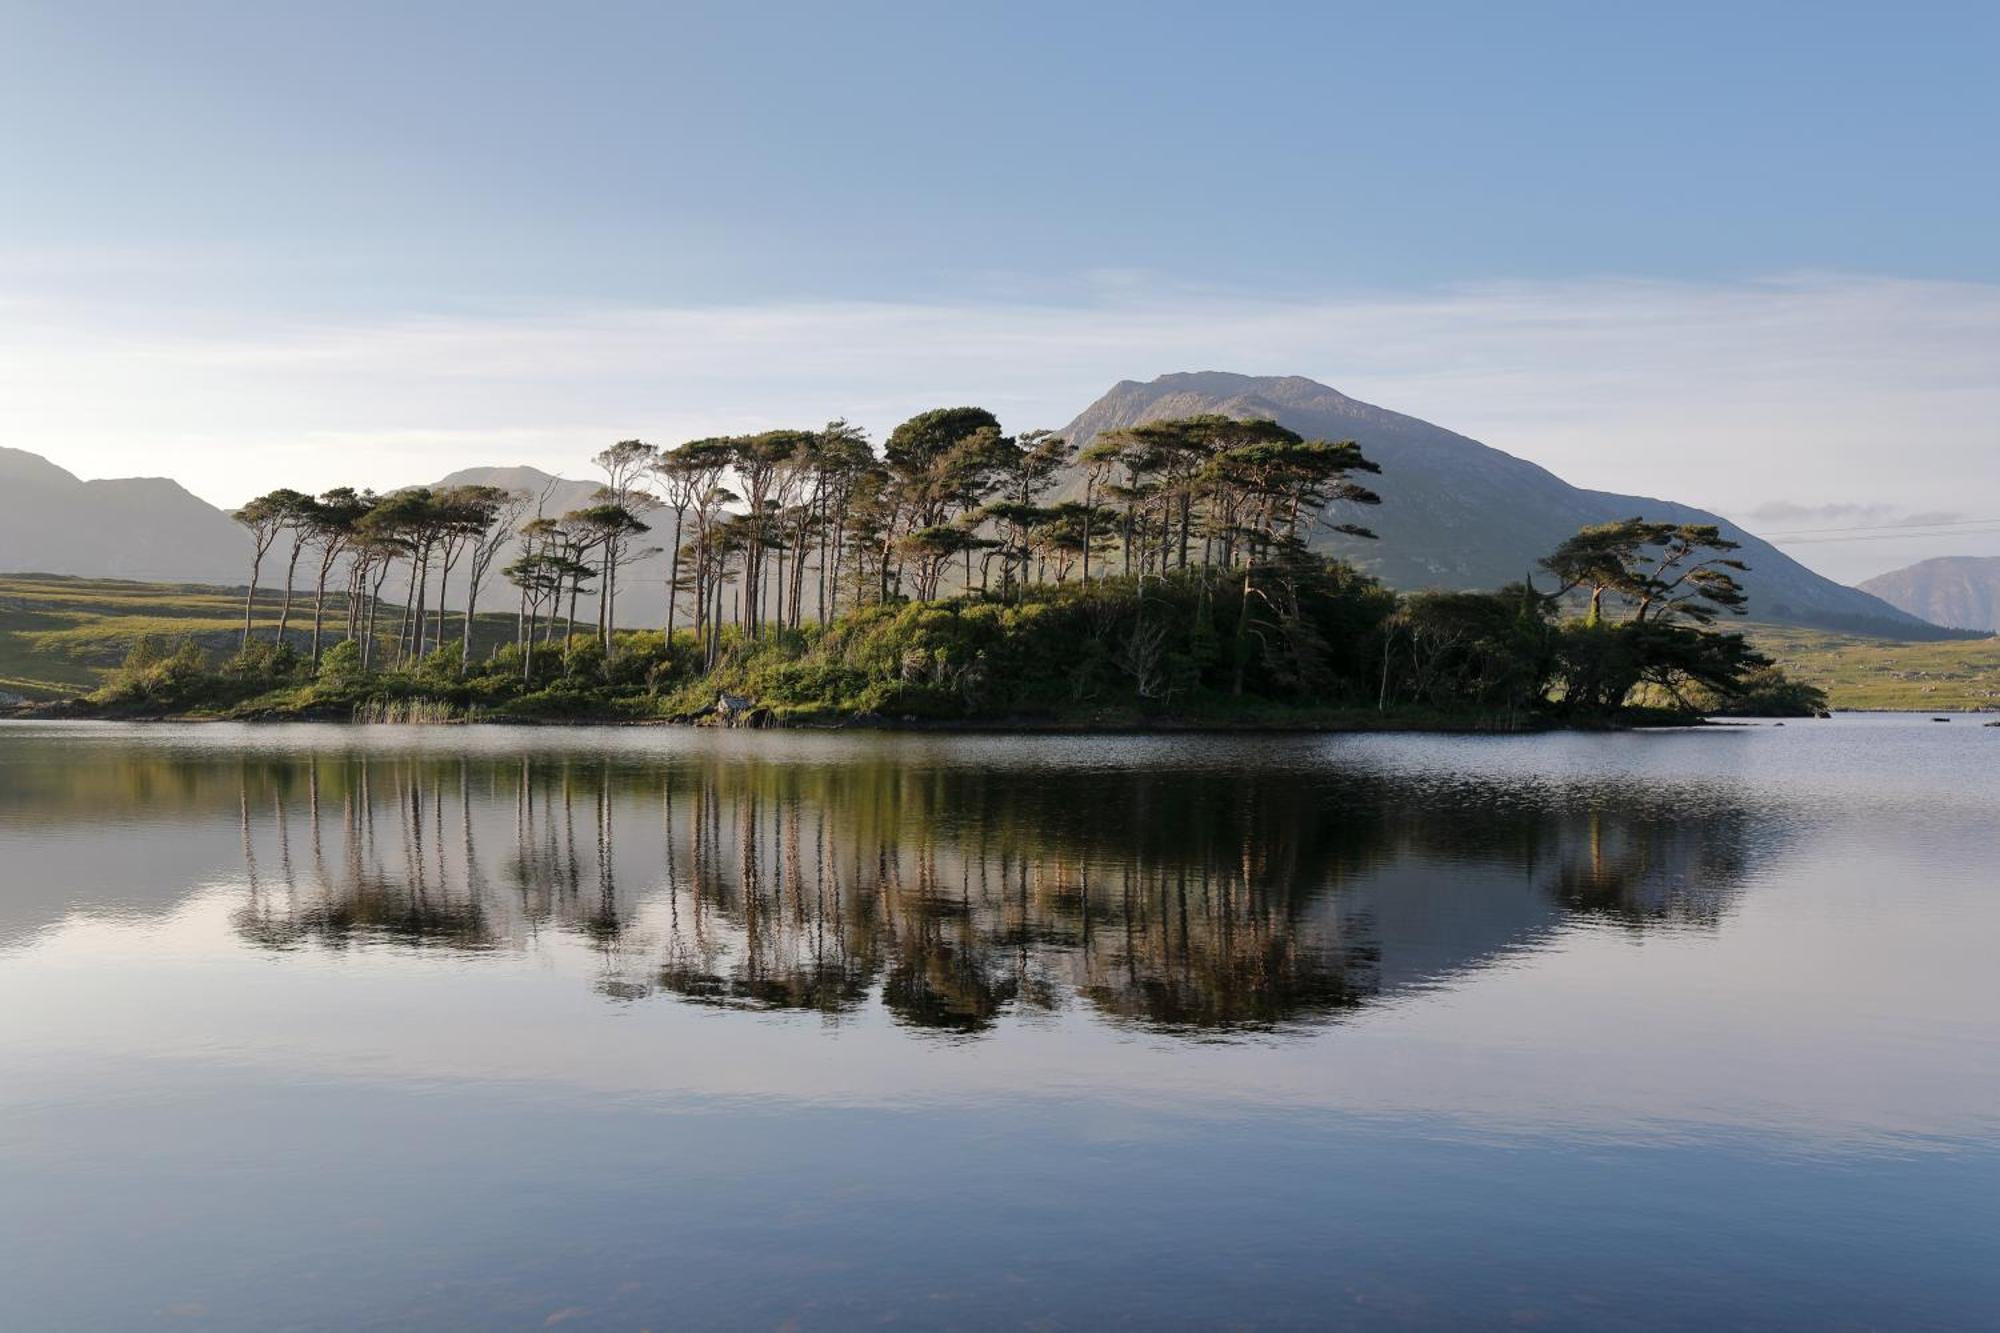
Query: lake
322	1027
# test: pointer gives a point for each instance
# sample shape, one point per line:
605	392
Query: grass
1866	673
61	635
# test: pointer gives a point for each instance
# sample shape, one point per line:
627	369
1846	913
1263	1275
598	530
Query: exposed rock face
1456	513
1958	590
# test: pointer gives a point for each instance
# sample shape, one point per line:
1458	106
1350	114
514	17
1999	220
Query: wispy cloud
1784	515
1834	395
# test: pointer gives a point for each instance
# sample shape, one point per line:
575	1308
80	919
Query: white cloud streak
1805	391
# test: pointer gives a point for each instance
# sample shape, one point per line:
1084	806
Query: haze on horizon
1738	258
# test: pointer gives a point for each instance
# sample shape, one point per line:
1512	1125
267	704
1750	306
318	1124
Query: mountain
134	527
1456	513
1960	590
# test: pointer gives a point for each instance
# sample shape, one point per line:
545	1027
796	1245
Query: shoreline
1329	724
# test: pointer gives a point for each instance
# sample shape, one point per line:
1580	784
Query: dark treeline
958	572
954	895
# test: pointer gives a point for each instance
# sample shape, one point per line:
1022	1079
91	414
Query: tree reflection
953	896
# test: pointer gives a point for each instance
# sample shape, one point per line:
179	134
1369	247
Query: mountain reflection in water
1187	902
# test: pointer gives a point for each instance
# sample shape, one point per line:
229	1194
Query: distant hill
134	527
1960	590
1460	514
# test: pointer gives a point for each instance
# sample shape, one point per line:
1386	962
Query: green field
1862	673
59	635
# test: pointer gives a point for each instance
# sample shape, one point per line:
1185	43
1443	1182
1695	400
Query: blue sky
192	181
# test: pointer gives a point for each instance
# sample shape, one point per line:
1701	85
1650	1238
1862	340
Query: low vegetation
1857	672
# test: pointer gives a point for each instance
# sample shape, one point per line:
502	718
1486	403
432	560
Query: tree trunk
421	572
285	609
673	580
409	601
465	641
319	612
1242	646
250	598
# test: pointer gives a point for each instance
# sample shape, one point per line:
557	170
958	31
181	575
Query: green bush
263	662
340	667
1766	692
152	678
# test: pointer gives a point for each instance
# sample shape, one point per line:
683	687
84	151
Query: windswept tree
407	523
266	517
1026	469
1272	487
625	465
335	521
941	465
932	549
526	573
691	481
761	463
542	572
842	460
488	515
607	528
376	546
300	521
1662	571
1674	580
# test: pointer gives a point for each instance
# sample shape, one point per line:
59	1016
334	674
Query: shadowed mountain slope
1456	513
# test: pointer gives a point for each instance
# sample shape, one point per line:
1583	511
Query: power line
1886	527
1884	536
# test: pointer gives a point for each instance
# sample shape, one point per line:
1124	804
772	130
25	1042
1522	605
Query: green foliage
263	662
151	677
1602	669
340	667
1767	692
1494	651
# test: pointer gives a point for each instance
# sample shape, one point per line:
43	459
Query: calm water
330	1028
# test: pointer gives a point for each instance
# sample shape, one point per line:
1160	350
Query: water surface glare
318	1027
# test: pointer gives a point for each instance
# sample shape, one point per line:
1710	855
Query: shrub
263	662
151	677
340	667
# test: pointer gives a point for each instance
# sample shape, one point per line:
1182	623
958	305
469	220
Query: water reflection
1188	902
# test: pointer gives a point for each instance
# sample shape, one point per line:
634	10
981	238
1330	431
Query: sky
1740	255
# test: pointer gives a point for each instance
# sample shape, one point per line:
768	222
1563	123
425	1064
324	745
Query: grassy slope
1863	673
58	635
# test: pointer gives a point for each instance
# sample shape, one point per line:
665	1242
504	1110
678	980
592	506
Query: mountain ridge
1957	590
1460	514
121	527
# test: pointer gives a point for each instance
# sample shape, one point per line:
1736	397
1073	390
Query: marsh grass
411	712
